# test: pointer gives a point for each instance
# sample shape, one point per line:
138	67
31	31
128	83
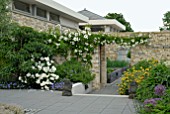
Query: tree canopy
121	19
166	21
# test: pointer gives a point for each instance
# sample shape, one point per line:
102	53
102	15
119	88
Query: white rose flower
46	69
28	74
72	43
57	44
41	58
33	67
38	81
25	81
86	43
76	34
46	87
133	40
53	69
52	61
47	58
32	60
43	83
69	35
65	38
37	75
48	63
20	78
43	75
51	78
75	50
83	32
50	41
85	36
141	41
89	33
39	67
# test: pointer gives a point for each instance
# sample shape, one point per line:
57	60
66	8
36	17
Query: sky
143	15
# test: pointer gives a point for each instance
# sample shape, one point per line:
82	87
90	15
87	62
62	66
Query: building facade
99	23
43	14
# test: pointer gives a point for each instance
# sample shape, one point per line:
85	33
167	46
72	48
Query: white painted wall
68	23
107	29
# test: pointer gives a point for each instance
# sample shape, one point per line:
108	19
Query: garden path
52	102
109	89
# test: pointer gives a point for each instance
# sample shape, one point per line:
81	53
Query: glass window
41	13
22	6
54	17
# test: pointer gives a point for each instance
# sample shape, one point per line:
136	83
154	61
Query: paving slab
52	102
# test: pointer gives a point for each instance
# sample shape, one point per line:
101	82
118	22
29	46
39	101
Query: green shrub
75	71
109	70
159	74
116	63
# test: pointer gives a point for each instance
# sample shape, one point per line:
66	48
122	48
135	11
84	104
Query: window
54	17
41	13
22	6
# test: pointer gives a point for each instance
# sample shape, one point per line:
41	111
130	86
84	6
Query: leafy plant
75	71
159	74
116	63
137	73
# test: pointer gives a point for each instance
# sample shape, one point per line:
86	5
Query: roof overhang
59	9
108	22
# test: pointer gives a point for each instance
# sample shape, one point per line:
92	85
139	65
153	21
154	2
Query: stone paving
109	89
49	102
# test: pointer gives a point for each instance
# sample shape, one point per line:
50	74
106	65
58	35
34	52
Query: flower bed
153	91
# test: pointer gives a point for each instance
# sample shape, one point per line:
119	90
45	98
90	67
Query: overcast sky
144	15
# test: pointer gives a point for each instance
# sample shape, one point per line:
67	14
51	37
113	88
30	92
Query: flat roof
60	9
111	22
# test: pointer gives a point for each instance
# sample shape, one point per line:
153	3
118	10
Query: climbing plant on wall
83	43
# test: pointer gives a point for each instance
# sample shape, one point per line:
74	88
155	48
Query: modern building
99	23
43	14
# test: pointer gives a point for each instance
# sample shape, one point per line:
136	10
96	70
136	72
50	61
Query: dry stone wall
158	46
38	24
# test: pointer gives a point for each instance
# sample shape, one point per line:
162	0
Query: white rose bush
44	75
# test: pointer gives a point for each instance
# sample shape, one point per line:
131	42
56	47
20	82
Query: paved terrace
48	102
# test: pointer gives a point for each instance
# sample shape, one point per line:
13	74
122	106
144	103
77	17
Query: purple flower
160	90
152	101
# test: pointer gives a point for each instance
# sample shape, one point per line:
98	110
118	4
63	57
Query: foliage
109	70
159	74
75	71
129	54
82	44
41	74
166	21
116	63
5	17
158	106
121	19
10	109
137	73
16	51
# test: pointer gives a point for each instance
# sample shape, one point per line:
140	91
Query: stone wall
40	24
158	47
23	20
